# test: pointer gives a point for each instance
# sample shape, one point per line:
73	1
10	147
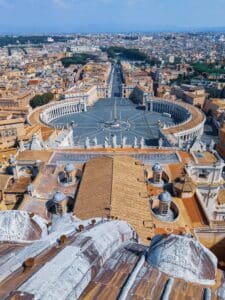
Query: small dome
185	184
183	257
69	168
10	170
157	168
12	160
30	188
165	197
59	197
19	226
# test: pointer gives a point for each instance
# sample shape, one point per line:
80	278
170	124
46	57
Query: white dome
69	168
30	188
18	226
157	168
165	197
183	257
59	197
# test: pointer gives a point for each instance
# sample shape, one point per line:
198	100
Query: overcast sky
109	15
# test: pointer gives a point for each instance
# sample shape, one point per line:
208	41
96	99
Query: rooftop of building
42	155
121	192
217	101
185	184
205	157
120	185
11	122
120	188
105	260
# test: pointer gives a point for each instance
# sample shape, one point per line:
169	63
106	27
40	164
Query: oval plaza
118	122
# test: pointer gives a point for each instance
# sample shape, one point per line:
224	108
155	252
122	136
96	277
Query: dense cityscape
112	165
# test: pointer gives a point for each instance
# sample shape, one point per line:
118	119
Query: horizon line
113	31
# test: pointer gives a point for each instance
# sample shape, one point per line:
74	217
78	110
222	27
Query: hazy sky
108	15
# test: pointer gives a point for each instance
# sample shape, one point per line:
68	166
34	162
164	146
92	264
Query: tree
40	100
132	54
77	59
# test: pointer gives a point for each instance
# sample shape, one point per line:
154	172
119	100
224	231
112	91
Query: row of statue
113	143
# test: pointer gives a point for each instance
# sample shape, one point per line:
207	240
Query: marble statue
124	141
95	141
114	141
211	145
21	146
106	142
87	142
160	143
142	142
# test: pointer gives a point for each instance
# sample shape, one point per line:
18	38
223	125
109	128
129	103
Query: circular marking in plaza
115	126
125	121
120	122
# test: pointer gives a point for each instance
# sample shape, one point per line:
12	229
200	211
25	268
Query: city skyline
71	16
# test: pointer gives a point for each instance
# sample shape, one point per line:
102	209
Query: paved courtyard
116	117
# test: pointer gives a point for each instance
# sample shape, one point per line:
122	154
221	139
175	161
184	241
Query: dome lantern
164	203
68	169
157	173
58	197
60	203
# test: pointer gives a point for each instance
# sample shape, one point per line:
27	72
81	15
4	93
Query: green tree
40	100
77	59
132	54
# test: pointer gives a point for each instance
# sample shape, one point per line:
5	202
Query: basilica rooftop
101	258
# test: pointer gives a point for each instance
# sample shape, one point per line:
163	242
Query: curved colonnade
60	109
179	113
190	120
